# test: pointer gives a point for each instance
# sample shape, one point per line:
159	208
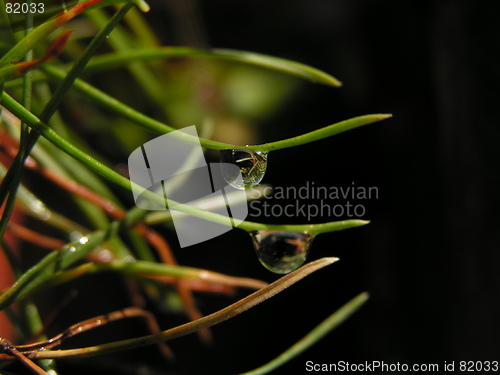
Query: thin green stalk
54	159
314	336
146	79
118	179
34	323
11	181
26	100
28	309
140	246
34	207
27	79
211	204
6	36
13	177
188	328
264	61
9	296
145	36
52	263
62	164
17	52
153	268
322	133
41	32
48	273
80	64
62	223
8	190
125	111
137	214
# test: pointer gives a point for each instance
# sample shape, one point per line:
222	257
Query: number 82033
25	8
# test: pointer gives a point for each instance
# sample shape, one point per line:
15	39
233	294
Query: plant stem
13	177
115	177
125	111
188	328
314	336
10	184
245	57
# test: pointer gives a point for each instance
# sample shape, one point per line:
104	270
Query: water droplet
75	236
252	164
78	237
103	255
281	252
128	259
40	209
83	240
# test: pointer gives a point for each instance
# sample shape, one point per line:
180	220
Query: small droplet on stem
252	164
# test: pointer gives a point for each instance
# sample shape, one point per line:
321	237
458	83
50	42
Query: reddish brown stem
154	238
36	238
52	52
195	284
89	324
7	348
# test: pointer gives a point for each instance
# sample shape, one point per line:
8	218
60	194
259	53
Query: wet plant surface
65	128
428	257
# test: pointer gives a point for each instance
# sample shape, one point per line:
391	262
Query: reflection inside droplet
281	252
252	164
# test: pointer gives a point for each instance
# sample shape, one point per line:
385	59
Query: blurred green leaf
6	36
42	31
275	63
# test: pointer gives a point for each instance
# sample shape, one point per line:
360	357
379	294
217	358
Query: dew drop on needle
281	252
252	165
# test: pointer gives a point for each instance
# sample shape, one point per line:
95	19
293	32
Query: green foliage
168	91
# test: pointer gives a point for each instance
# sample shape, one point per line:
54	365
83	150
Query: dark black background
430	256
